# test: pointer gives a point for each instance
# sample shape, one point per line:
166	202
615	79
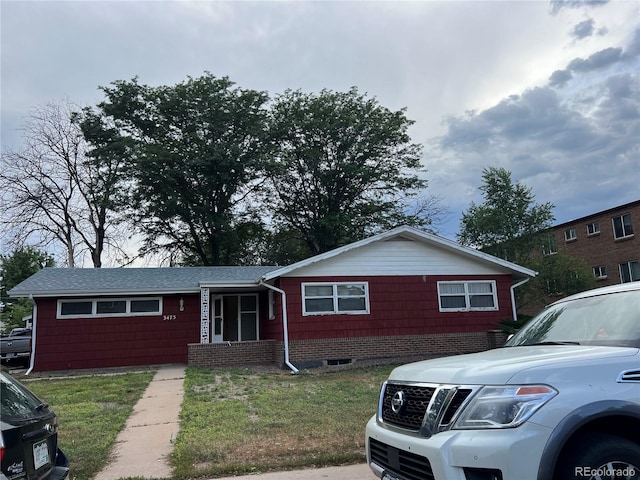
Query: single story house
403	292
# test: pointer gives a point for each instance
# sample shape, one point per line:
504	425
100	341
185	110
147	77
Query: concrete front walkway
144	444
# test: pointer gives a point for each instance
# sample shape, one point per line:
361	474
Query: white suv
560	401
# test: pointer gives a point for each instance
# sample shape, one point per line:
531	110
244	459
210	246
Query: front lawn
91	411
233	421
242	421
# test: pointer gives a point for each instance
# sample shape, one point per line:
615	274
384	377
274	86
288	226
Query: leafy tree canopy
15	268
21	264
343	167
508	224
196	153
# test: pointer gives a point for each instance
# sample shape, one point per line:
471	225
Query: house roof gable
412	234
52	282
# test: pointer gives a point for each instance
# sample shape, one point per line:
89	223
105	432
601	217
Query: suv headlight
503	407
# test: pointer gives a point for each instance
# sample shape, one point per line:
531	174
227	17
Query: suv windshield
610	319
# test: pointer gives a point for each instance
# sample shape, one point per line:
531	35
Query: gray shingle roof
110	281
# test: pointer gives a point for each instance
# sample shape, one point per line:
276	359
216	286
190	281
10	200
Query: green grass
91	411
244	421
233	421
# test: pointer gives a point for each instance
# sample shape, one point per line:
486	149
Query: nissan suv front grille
421	407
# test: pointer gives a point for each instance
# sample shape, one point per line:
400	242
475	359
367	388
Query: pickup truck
16	345
561	400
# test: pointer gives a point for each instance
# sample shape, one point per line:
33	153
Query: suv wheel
600	456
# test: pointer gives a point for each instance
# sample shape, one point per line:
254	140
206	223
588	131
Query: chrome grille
412	413
456	402
423	408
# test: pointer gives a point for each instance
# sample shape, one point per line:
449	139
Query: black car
28	436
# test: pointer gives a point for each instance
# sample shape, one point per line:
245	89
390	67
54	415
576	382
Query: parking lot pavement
350	472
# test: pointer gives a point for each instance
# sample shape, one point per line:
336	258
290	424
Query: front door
234	318
218	319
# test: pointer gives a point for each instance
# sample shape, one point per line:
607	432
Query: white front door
217	318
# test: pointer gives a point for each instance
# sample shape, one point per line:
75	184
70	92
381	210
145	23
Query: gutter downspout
285	324
513	297
34	322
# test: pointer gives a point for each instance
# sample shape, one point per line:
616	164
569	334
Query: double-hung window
549	246
600	271
593	229
622	226
467	296
629	272
333	298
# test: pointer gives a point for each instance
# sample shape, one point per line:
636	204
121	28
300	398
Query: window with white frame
467	296
593	229
622	226
327	298
549	246
111	307
570	234
600	271
629	272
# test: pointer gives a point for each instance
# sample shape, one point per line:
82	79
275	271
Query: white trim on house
466	294
335	297
94	313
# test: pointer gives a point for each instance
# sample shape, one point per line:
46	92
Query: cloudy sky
548	90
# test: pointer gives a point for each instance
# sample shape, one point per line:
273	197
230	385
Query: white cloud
438	59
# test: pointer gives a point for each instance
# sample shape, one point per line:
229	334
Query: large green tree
343	167
15	268
195	152
508	224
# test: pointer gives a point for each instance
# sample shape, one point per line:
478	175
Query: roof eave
101	293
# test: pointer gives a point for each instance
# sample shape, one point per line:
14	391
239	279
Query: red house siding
402	305
77	343
403	309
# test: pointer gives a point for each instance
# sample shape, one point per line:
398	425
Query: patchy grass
242	421
91	411
233	421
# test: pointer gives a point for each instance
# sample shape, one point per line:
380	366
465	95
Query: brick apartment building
607	241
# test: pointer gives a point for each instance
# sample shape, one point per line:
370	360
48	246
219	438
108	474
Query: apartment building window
622	226
629	272
600	271
593	229
570	234
549	246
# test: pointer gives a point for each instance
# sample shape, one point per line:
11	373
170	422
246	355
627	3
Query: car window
612	319
15	400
